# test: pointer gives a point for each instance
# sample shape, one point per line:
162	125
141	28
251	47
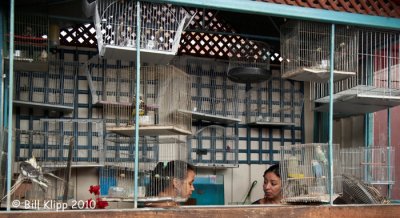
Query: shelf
28	64
262	123
150	57
360	100
316	75
43	106
47	165
143	199
215	165
149	130
211	118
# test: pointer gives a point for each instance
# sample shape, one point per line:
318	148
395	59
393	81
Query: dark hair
273	169
163	174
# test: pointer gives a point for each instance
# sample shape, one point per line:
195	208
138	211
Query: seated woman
272	186
174	179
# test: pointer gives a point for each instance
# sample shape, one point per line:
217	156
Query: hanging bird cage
376	85
305	173
281	106
305	48
53	89
214	96
249	62
164	91
214	146
31	44
161	28
373	164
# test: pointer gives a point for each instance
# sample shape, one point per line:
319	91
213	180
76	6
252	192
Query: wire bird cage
249	62
30	38
44	183
50	89
376	85
161	28
82	137
305	173
117	177
214	96
278	102
373	165
214	146
305	48
357	192
164	91
3	159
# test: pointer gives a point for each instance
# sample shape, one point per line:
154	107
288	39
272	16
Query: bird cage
117	177
30	41
161	28
214	97
305	173
3	159
278	102
375	86
164	91
52	89
82	137
357	192
214	146
351	159
33	180
305	48
249	62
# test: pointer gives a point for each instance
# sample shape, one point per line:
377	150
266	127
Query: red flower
94	189
100	204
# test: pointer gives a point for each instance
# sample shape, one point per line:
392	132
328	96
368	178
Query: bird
320	155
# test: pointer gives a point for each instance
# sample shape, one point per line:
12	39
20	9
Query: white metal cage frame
304	172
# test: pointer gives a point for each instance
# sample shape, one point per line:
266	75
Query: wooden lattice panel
385	8
83	35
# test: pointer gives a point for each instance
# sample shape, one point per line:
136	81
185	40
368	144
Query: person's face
272	186
188	187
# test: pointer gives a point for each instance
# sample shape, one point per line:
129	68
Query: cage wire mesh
32	179
376	83
164	91
118	173
305	48
278	101
161	25
372	164
30	37
3	159
213	146
55	87
249	61
305	173
212	93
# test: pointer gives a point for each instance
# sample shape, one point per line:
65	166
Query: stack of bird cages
249	62
278	102
372	164
30	38
41	183
305	48
78	141
214	97
161	27
117	177
213	146
54	87
376	83
164	91
305	173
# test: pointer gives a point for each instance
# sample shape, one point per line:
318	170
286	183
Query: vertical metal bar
10	103
331	113
1	76
389	130
137	103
